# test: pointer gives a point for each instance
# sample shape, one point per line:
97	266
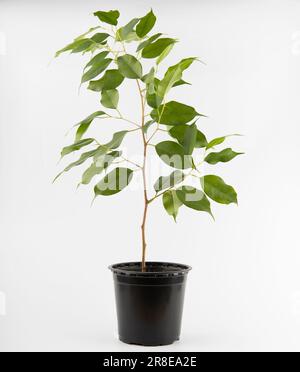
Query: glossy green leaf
81	160
178	132
116	141
100	37
194	198
110	17
144	43
180	82
127	32
149	80
218	141
84	124
130	67
171	203
96	59
114	182
173	155
76	146
174	113
215	142
223	156
169	181
93	48
151	85
96	69
164	54
153	100
110	98
173	76
146	24
97	167
156	48
190	137
76	46
83	36
110	80
218	190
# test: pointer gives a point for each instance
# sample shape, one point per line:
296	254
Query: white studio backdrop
244	290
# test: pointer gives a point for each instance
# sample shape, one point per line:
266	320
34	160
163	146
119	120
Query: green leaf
114	182
82	36
76	46
130	67
85	123
76	146
127	32
90	173
194	198
190	137
173	155
110	98
215	142
93	48
116	140
99	37
156	48
110	17
171	203
146	24
179	131
153	100
147	125
99	166
218	141
96	59
82	159
173	76
144	43
164	54
110	80
149	80
218	190
114	143
169	181
174	113
180	82
96	69
223	156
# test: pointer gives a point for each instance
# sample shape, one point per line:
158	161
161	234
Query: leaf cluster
109	66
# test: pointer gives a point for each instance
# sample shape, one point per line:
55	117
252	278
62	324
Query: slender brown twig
146	202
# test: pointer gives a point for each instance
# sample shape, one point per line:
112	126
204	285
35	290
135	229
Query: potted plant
149	295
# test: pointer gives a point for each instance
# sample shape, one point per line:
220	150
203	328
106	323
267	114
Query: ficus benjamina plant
110	64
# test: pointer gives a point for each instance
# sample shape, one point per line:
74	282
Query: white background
244	290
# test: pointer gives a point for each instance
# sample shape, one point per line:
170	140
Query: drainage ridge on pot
149	304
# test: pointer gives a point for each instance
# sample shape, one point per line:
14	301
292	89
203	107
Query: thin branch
132	162
146	202
125	119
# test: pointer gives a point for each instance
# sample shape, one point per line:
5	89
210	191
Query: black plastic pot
149	304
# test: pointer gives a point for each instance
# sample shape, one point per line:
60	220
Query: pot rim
122	269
